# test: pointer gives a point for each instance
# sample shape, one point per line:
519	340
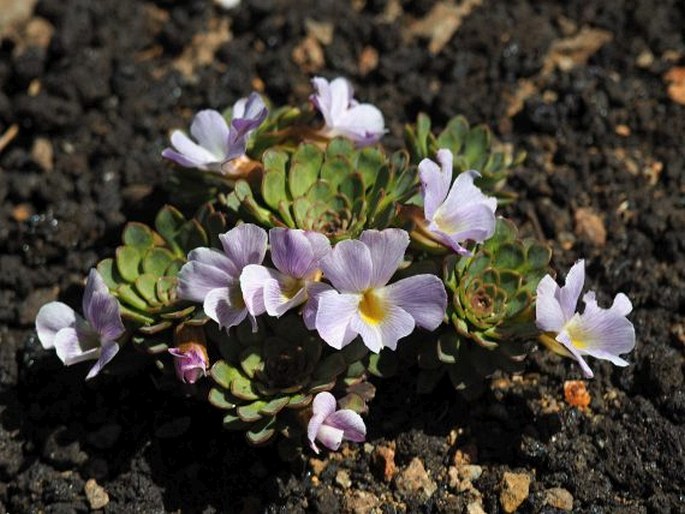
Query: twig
8	136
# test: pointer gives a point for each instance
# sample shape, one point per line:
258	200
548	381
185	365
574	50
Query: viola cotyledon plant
314	256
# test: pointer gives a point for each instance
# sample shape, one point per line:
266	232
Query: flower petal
245	244
422	296
330	437
435	181
363	123
197	279
548	314
104	316
324	404
279	298
191	151
349	266
214	258
387	249
252	281
210	129
603	333
291	252
333	317
350	423
72	347
94	284
474	221
565	340
313	427
314	290
622	305
107	353
395	324
224	305
341	95
53	317
321	246
322	99
569	294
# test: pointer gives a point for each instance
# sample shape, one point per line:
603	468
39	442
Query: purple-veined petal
622	305
252	281
422	296
565	340
435	181
190	364
387	249
322	99
225	305
363	123
313	429
94	284
71	346
53	317
314	290
324	403
474	221
330	437
214	258
245	244
465	192
192	151
255	112
292	252
321	246
350	423
196	280
388	325
104	317
548	314
569	294
341	92
602	333
333	317
282	294
210	130
349	266
108	351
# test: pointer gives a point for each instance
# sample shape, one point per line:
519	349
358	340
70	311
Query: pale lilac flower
212	277
600	333
191	362
331	426
343	115
459	213
217	143
296	255
76	339
364	305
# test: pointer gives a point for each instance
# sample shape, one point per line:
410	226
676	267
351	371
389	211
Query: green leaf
330	367
538	255
241	387
477	145
509	256
423	132
339	146
157	260
335	169
251	361
304	169
262	431
138	234
275	160
146	286
128	262
223	373
168	222
383	364
369	162
233	422
454	134
220	399
352	187
299	400
127	294
250	412
274	406
108	270
273	188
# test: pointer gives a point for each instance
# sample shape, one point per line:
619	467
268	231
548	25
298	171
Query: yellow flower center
235	297
290	287
372	307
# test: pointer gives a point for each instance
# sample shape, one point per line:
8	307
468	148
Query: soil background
89	91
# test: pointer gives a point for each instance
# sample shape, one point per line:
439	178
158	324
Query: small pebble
559	498
515	488
96	495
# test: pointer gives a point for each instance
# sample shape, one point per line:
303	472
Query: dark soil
606	150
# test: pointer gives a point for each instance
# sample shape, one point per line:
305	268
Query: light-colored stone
342	478
361	502
42	153
96	495
384	461
414	480
515	488
475	508
559	498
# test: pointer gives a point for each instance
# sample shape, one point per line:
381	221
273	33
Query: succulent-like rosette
267	379
492	307
597	332
339	191
472	148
